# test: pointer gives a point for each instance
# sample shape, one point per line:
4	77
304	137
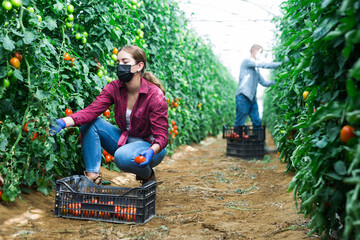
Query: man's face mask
124	72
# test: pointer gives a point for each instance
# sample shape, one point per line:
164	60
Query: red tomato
347	133
67	57
108	158
18	56
139	159
68	112
107	113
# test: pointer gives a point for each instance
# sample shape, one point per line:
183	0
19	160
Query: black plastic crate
79	198
248	132
245	149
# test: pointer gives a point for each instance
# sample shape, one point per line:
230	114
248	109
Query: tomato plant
58	43
319	45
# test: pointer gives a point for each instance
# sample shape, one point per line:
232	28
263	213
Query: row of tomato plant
313	111
58	55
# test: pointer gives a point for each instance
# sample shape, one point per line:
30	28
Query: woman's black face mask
124	72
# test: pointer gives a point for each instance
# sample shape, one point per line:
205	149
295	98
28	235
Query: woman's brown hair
139	55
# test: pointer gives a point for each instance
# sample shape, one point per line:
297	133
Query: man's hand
59	124
148	155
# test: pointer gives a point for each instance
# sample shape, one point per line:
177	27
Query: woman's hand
148	155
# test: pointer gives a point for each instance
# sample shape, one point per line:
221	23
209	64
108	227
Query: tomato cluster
15	62
108	158
173	131
174	103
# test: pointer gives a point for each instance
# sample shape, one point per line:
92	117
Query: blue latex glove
59	124
148	155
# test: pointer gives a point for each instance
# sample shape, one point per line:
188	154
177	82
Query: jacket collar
144	87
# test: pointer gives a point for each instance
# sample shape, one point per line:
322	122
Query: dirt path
202	195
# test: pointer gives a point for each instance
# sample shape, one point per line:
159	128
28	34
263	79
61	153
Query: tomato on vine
68	112
347	133
7	5
83	40
114	57
107	113
100	73
15	62
115	51
78	36
6	83
70	8
67	57
31	9
18	56
16	3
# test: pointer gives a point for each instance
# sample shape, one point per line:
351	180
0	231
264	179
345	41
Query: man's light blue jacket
250	77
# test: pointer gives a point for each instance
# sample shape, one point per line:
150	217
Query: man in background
250	77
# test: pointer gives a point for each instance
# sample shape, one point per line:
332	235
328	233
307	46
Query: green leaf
355	70
18	75
340	167
334	176
40	94
109	45
28	37
8	44
351	88
322	143
3	142
326	3
332	110
58	7
50	23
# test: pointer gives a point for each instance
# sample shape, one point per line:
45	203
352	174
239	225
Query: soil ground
202	194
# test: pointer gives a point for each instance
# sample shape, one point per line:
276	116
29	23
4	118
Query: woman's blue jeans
245	107
101	134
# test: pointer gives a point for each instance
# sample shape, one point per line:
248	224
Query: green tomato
102	68
7	5
117	28
137	37
138	5
141	35
100	73
78	36
5	198
134	7
39	18
70	18
85	34
83	40
76	27
6	83
114	57
16	3
112	63
142	26
31	9
138	31
68	24
108	79
10	72
70	8
105	72
134	2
